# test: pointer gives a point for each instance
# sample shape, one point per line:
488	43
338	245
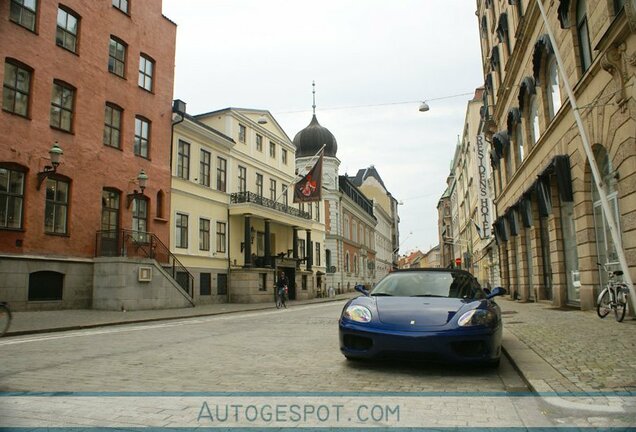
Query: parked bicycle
613	297
5	318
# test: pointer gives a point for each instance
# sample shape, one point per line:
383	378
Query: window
142	137
183	160
272	150
204	234
242	179
583	36
112	125
618	5
259	142
605	246
242	132
56	209
146	68
346	263
519	143
283	192
16	88
117	57
181	231
11	198
259	185
67	29
221	173
23	12
317	255
204	167
284	156
140	218
110	211
509	167
534	120
205	284
301	249
122	5
46	286
552	90
220	237
62	101
272	189
318	211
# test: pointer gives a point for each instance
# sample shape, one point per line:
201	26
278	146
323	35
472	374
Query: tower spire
313	90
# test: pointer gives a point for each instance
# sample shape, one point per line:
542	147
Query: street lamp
141	180
55	154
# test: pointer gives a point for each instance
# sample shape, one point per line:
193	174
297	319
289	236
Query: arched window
346	263
583	36
46	286
355	264
606	249
533	119
160	204
552	88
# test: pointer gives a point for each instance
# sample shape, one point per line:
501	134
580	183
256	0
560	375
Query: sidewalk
555	350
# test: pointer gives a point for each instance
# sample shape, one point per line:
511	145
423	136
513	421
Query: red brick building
94	77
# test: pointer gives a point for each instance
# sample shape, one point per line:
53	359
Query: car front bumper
455	345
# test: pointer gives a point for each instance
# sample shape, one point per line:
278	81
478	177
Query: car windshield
428	284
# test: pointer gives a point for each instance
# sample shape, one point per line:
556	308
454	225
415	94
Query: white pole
609	215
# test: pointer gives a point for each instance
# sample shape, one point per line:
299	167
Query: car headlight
478	317
357	313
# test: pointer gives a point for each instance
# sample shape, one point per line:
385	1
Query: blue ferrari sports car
424	314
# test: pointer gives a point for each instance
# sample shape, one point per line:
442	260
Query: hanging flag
309	187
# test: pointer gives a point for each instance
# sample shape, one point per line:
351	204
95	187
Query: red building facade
94	78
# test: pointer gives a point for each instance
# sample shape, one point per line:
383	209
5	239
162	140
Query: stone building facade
550	228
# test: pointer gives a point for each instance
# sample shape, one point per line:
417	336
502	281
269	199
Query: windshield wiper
381	295
427	295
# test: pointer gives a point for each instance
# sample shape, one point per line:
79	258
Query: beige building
370	183
550	228
233	223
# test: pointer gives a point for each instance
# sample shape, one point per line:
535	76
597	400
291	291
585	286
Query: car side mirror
361	289
497	291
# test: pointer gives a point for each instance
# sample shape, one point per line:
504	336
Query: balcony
250	197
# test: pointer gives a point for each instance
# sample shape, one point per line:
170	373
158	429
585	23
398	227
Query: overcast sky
373	61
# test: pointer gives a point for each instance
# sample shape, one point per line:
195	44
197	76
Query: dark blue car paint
426	325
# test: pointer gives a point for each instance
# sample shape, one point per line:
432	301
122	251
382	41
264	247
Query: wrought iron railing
128	243
250	197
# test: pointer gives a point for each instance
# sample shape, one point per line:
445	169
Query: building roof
364	174
309	140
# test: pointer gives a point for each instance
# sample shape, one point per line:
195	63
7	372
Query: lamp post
55	154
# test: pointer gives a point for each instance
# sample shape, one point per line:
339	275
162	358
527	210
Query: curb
166	318
535	372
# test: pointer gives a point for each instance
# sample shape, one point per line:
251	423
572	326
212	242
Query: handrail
251	197
130	243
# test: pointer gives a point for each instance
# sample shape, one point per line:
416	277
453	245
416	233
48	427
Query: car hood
415	313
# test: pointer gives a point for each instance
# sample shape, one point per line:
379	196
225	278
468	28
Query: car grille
359	343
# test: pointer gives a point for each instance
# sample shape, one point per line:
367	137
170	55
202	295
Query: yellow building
233	223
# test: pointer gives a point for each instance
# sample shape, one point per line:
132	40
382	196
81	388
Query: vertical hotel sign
483	158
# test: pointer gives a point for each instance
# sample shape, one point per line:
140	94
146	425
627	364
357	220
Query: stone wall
117	286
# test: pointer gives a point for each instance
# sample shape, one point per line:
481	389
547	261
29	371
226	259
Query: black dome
309	140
